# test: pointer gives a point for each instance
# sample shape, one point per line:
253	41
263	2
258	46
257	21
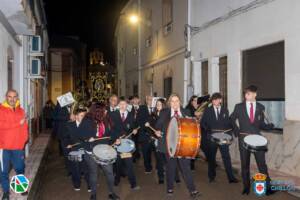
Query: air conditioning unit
35	67
35	46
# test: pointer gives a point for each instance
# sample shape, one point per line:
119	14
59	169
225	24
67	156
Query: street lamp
133	19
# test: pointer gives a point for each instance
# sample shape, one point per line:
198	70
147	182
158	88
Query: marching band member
123	123
175	110
250	117
216	117
113	104
159	155
103	124
192	107
73	131
142	114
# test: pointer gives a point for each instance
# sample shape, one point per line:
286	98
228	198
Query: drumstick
218	130
102	138
131	133
149	126
266	117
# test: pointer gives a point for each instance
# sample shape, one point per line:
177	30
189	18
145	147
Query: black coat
163	123
142	116
209	120
73	134
61	116
120	128
245	126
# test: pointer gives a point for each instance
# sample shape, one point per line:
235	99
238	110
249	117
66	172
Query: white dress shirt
173	112
77	123
216	111
125	114
248	105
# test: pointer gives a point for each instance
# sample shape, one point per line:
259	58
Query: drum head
255	140
221	136
126	146
104	152
172	136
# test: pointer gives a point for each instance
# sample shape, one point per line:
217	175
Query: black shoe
178	181
5	196
113	196
170	192
116	182
93	197
161	182
246	191
24	193
233	180
270	192
195	194
211	180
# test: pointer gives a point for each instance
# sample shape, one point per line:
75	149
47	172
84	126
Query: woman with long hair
98	114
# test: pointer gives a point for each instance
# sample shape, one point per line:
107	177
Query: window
204	77
148	41
10	60
167	12
167	87
264	67
223	79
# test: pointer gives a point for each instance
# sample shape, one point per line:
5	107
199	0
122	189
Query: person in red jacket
13	137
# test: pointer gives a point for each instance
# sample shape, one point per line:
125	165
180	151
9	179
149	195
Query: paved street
58	186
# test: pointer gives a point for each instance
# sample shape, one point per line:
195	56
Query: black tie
218	113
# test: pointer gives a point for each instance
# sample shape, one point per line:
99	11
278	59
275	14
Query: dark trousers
136	154
184	167
14	157
245	164
78	168
160	163
147	149
224	150
204	144
48	123
65	153
126	163
93	174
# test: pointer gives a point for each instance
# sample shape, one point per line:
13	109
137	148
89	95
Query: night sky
93	21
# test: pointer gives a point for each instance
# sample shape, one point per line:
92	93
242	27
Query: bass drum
183	138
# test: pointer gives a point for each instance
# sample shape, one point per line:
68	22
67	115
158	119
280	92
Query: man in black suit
142	114
248	118
61	116
76	132
113	104
123	124
175	110
216	117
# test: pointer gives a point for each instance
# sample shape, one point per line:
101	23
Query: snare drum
76	156
221	138
183	138
255	143
126	146
104	154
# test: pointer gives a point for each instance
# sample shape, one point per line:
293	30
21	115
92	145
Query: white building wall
266	24
7	42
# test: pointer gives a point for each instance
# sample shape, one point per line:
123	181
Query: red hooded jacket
13	135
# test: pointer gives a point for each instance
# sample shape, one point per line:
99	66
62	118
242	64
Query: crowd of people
81	129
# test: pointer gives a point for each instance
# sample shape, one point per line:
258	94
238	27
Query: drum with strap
104	154
254	143
126	146
183	138
221	138
76	156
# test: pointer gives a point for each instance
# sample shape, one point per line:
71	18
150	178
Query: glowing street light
133	19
